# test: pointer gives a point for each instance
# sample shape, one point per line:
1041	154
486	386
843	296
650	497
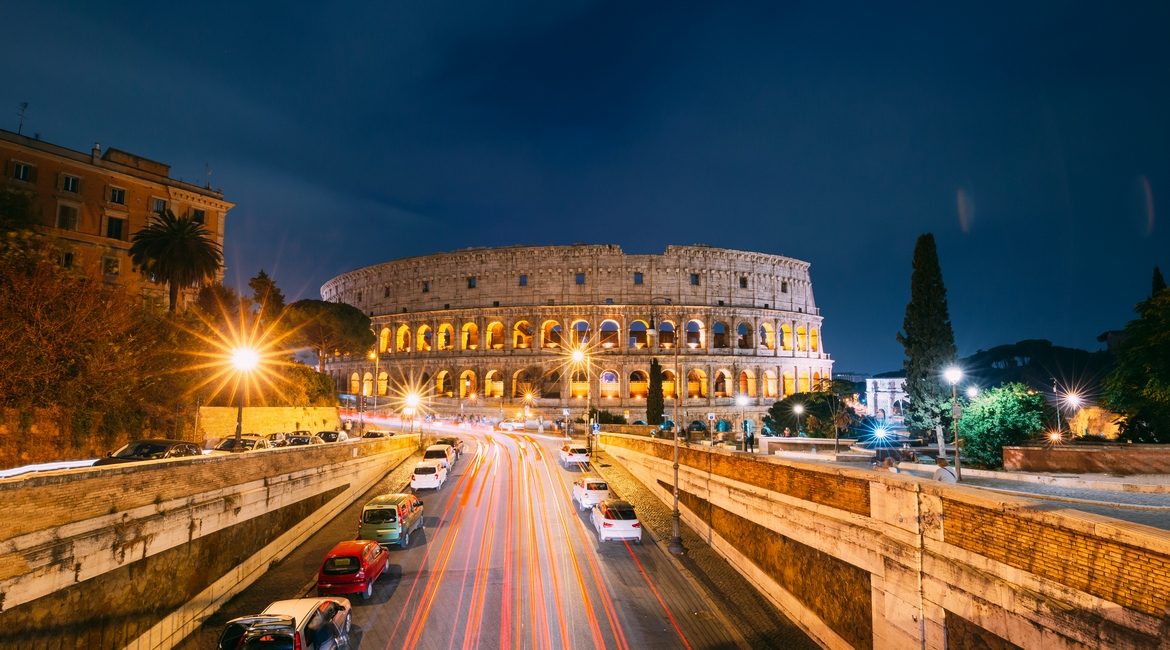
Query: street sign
710	417
596	427
564	411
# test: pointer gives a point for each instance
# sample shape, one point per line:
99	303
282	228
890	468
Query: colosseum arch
443	387
495	336
718	335
767	336
771	388
446	337
639	339
639	384
611	334
579	332
695	334
666	334
468	384
608	385
384	340
801	340
668	383
802	384
578	384
696	384
383	383
493	384
743	336
789	383
551	334
746	384
786	332
368	383
355	383
424	338
814	339
522	335
722	384
402	339
470	336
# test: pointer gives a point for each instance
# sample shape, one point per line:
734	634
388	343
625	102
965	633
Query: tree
16	211
219	302
176	251
1139	386
267	296
929	341
329	328
1158	282
655	402
824	414
1005	415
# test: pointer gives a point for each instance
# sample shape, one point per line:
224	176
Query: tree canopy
16	211
1139	386
655	402
928	340
177	251
825	414
1005	415
329	328
268	297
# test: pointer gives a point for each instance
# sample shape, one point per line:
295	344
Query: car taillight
637	525
606	524
360	575
296	641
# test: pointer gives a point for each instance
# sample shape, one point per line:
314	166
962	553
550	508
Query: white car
615	519
589	491
428	475
510	425
307	623
444	454
574	454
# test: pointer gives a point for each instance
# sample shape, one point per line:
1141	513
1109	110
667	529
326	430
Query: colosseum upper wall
488	328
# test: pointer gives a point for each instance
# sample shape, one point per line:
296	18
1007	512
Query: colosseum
488	331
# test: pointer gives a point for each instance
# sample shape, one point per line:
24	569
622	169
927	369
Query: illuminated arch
743	336
355	383
578	384
424	338
611	334
383	383
551	334
668	383
368	384
443	387
814	339
609	386
470	336
802	381
771	387
801	340
666	334
718	335
768	336
786	333
446	337
522	335
746	384
468	384
638	338
722	387
696	384
402	339
639	384
695	334
493	384
789	383
495	335
579	332
384	340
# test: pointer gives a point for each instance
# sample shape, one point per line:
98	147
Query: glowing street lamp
798	410
953	375
972	392
412	400
244	360
741	401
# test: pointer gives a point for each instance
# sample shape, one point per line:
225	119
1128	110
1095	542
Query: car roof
616	503
429	463
443	447
299	608
158	441
350	547
388	499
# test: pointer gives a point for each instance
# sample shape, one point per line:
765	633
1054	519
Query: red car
352	567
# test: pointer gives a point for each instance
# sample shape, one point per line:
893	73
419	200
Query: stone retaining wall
1089	459
864	559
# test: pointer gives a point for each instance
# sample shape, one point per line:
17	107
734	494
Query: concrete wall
864	559
138	555
220	421
1089	459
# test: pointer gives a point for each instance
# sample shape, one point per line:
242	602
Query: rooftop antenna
207	168
20	113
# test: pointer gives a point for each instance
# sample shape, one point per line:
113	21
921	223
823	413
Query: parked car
247	442
305	623
510	425
376	433
589	491
351	567
391	518
443	453
138	450
302	438
456	444
333	436
428	474
571	454
615	519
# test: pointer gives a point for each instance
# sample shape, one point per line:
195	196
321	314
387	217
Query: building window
198	216
743	282
609	301
523	280
471	282
637	277
784	286
110	266
67	260
115	228
695	279
580	278
23	172
70	183
427	286
118	195
157	205
66	217
385	292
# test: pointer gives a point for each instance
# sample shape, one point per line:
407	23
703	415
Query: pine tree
929	341
655	404
267	296
1159	282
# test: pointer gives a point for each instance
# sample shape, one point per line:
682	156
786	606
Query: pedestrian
751	442
787	432
944	474
890	466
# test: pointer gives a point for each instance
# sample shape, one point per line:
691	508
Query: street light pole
676	544
244	360
953	375
798	409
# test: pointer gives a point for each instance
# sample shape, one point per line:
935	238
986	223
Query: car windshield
579	451
341	565
270	641
596	486
379	516
424	470
141	450
298	440
435	453
229	444
328	436
624	513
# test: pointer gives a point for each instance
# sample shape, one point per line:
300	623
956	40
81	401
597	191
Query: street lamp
953	374
374	356
741	401
581	359
412	401
676	544
798	409
244	360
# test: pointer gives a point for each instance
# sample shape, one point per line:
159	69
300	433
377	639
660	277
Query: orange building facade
94	202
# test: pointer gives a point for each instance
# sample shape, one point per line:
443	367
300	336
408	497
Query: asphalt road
505	560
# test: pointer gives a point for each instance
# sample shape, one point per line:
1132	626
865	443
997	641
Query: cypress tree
929	341
655	404
1158	283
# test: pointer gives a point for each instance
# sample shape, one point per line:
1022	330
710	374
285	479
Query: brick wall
219	421
1089	459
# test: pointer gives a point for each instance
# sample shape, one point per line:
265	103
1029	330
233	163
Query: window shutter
32	174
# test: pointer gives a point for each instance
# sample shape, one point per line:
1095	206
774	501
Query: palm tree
177	251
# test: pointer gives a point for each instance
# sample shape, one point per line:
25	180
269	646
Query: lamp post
244	360
412	401
953	374
581	359
676	544
741	401
798	410
374	356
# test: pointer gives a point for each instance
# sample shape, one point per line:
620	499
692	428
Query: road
505	560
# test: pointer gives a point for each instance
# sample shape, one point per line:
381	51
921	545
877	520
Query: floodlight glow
412	400
879	432
245	359
953	374
578	356
972	392
1073	399
1054	436
798	409
741	399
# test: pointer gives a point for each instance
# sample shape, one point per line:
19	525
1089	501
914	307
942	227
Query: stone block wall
137	555
220	421
1089	459
864	559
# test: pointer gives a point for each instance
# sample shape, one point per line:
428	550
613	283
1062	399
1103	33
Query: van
445	454
390	518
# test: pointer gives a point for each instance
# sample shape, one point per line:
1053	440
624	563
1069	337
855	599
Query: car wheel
369	589
405	540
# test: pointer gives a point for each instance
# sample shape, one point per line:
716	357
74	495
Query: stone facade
95	201
489	330
886	397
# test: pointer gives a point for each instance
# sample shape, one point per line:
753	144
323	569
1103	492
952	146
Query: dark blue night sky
1033	139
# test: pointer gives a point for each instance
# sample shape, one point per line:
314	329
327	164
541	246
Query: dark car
302	438
139	450
246	442
333	436
456	444
376	433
